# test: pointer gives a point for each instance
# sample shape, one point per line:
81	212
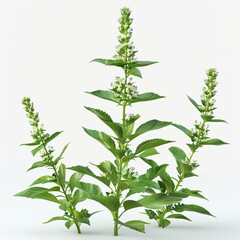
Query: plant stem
63	189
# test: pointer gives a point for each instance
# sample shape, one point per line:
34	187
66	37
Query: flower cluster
200	130
123	90
209	92
199	133
130	173
125	49
38	133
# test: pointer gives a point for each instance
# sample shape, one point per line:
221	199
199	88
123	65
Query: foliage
160	194
65	192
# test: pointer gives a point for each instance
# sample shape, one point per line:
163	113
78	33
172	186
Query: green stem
63	189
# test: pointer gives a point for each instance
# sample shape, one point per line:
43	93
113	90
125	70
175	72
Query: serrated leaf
74	180
130	204
214	141
103	116
150	144
159	200
149	152
104	139
135	72
37	165
142	63
137	225
88	171
192	208
105	94
144	97
183	129
100	114
43	179
179	216
110	62
149	126
58	218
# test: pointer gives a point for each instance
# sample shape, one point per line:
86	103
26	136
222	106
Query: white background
45	50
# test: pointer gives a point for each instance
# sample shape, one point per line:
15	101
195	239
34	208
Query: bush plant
160	194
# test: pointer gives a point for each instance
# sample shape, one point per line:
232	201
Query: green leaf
56	160
183	129
43	179
37	142
37	165
159	200
149	152
58	218
142	63
130	204
105	94
178	154
78	196
137	225
54	135
116	127
74	180
150	144
37	149
197	106
214	141
69	223
150	162
39	193
100	114
149	126
62	175
87	171
179	216
192	193
94	192
110	170
110	62
135	72
149	96
164	223
49	139
192	208
151	214
214	120
104	139
167	180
